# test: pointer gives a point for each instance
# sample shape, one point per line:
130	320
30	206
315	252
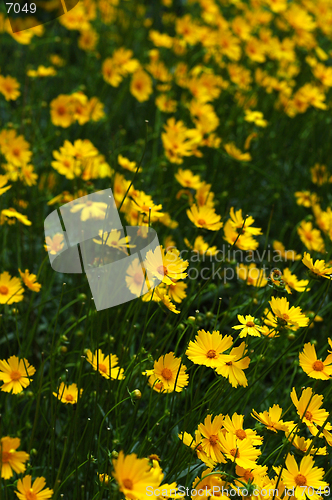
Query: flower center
30	495
166	373
15	375
145	208
211	354
69	397
235	453
102	368
201	222
248	475
162	270
213	439
308	415
114	243
285	317
229	363
241	434
159	386
6	456
318	366
4	290
301	480
127	483
89	203
138	278
251	324
61	110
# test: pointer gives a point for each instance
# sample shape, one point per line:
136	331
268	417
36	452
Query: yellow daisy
106	365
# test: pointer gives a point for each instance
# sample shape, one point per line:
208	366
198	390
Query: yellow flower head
30	280
67	394
35	491
314	367
208	349
319	268
271	419
204	217
11	289
106	365
16	374
10	459
168	374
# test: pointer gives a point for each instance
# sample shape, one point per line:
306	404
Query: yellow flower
170	268
241	225
187	179
55	244
176	291
291	282
62	111
9	88
319	268
141	85
211	437
248	326
127	164
310	237
30	280
3	182
305	475
233	370
234	426
168	374
11	212
10	459
90	209
236	153
42	71
271	419
134	475
67	394
196	444
286	254
314	367
256	117
251	275
106	365
292	317
36	491
208	349
113	240
16	374
11	289
240	451
308	408
204	217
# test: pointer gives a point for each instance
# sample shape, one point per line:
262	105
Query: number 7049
26	8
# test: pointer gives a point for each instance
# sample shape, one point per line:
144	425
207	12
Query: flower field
198	132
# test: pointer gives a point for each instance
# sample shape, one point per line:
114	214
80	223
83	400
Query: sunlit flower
211	436
113	240
306	474
236	153
134	475
67	394
169	268
241	452
9	88
248	326
292	317
90	210
34	491
319	268
30	280
16	374
168	374
204	217
11	289
314	367
208	348
10	459
271	419
308	409
233	370
106	365
55	244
